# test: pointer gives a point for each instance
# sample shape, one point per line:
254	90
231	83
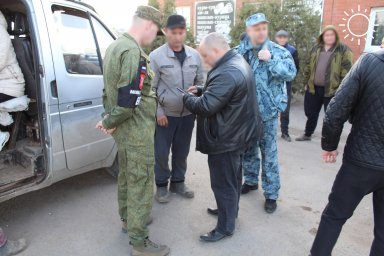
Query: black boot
270	205
214	212
245	189
286	137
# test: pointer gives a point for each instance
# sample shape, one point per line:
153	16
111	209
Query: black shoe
286	137
304	138
213	236
245	189
270	205
214	212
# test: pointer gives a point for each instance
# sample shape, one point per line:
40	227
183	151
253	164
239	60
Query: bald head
215	40
213	47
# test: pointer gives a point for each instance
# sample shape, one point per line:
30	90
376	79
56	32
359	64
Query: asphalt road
78	216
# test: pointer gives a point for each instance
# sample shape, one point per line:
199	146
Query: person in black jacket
228	120
359	99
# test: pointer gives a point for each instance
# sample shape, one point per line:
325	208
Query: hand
162	121
193	89
330	156
306	87
100	126
264	55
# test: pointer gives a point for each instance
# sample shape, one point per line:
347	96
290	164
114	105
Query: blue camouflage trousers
270	174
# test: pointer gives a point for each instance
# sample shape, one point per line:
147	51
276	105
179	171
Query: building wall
338	12
191	4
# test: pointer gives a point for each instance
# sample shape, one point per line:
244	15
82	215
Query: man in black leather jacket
360	99
228	120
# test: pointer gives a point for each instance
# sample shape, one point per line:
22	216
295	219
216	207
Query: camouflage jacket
339	65
270	76
129	101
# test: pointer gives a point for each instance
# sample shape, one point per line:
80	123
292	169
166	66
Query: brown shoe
124	227
149	248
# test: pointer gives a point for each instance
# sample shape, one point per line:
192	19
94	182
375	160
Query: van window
77	42
104	38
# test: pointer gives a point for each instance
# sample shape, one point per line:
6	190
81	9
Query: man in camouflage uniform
130	108
272	66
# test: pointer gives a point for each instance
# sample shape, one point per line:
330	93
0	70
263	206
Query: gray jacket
169	75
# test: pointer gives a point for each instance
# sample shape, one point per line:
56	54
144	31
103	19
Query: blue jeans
269	162
175	137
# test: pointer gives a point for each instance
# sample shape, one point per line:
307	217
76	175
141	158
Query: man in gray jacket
176	66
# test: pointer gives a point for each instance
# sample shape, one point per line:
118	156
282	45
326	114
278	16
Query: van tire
113	170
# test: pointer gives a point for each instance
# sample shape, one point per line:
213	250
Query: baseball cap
256	19
282	33
151	13
176	21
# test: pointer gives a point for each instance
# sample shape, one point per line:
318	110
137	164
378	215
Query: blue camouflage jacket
270	76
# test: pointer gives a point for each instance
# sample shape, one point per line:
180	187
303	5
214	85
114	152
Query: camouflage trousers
270	174
135	192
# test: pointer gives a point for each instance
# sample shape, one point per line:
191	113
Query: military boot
149	248
13	247
181	189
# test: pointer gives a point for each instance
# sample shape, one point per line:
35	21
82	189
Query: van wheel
114	169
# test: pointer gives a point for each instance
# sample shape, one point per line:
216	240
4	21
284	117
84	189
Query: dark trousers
226	176
175	137
284	116
351	185
312	107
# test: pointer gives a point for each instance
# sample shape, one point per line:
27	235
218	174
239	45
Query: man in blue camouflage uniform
273	66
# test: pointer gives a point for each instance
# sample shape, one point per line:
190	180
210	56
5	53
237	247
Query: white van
60	45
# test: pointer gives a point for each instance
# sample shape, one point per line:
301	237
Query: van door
77	54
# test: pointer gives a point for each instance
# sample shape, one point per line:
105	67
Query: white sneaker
15	105
5	119
4	137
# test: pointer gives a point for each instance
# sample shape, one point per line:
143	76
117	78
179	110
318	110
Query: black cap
176	21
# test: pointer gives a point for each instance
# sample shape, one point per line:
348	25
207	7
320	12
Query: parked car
60	47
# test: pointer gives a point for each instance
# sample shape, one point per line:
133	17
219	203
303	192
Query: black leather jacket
360	98
228	116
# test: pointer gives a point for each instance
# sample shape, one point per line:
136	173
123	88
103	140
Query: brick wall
338	12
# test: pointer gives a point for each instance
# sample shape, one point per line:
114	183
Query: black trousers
351	185
226	177
312	107
176	138
284	116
